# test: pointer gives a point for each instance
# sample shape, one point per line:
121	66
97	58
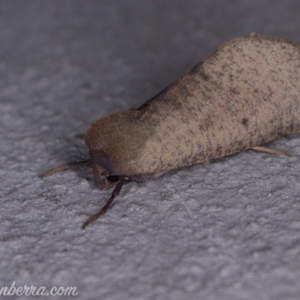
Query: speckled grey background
228	229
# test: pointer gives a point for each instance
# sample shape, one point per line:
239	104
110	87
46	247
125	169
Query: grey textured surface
228	229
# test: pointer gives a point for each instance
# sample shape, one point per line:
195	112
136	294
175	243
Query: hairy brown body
243	95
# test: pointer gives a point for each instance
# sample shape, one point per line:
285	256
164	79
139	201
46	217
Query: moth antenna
87	162
114	194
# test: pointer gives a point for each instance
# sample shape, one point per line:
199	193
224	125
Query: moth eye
113	178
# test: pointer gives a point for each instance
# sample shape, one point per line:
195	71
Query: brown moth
243	95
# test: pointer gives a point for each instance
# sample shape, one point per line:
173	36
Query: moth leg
114	194
270	150
87	162
79	136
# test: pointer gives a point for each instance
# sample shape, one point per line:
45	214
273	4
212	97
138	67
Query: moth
242	96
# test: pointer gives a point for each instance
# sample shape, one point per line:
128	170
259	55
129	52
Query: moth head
111	141
103	178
